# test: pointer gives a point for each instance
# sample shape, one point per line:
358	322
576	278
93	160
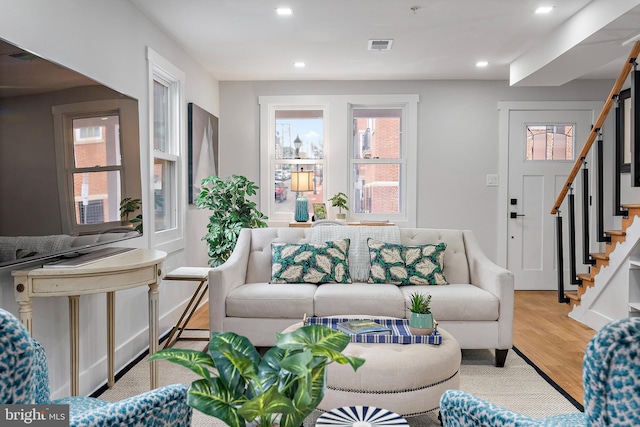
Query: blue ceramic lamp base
302	210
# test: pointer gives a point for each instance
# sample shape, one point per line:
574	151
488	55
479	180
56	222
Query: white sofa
476	307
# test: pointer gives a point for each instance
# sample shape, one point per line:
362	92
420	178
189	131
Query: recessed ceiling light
544	9
299	64
481	64
284	11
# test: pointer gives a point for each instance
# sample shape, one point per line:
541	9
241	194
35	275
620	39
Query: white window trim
337	149
159	68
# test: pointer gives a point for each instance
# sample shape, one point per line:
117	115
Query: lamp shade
302	181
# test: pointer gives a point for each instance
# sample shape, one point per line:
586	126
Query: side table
360	416
138	267
197	274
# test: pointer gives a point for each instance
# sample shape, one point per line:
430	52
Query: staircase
611	288
603	259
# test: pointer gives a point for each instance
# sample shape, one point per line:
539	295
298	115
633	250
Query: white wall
457	139
107	40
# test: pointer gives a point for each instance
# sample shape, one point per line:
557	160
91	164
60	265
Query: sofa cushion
259	263
310	262
456	265
458	301
406	265
265	300
359	298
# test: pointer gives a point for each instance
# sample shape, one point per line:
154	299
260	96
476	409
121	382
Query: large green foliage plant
238	385
231	211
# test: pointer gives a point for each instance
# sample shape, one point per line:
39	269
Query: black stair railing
587	259
572	240
602	236
561	296
618	156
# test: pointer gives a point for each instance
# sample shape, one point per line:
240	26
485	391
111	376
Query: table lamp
301	181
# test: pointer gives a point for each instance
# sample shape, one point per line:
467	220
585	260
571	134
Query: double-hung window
97	148
166	124
377	160
362	145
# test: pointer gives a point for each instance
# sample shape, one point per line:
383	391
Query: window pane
285	198
549	142
377	188
299	134
160	116
96	141
163	177
97	197
377	133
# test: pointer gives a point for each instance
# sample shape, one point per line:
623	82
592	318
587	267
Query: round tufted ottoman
408	379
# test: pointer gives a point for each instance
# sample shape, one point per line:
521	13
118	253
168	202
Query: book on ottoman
363	326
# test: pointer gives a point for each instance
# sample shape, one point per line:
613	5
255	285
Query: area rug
518	386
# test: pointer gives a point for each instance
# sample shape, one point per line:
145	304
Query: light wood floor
542	331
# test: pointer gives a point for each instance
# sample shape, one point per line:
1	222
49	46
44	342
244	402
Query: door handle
515	214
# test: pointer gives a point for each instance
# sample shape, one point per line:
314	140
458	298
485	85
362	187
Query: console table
138	267
308	224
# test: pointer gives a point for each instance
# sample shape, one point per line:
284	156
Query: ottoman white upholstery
408	379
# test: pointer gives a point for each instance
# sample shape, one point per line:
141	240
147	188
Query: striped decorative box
400	334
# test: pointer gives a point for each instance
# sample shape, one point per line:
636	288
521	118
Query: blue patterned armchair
24	379
611	379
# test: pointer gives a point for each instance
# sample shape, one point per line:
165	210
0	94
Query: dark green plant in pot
287	383
231	211
129	205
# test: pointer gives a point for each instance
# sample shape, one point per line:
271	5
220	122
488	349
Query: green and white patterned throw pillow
310	262
406	265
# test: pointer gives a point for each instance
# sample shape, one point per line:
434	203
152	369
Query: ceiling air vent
380	44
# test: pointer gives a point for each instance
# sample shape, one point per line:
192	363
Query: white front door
542	148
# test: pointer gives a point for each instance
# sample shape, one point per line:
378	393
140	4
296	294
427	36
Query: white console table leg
154	320
74	342
111	337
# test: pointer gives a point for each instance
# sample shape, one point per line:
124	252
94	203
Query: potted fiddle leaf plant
231	211
421	318
340	201
241	388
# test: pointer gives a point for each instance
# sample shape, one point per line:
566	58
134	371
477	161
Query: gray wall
457	139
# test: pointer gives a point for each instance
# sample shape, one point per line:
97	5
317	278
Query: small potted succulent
421	319
283	387
340	201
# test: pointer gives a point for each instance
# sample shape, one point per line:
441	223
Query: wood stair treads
602	258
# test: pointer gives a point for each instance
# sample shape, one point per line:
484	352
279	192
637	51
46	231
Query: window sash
166	121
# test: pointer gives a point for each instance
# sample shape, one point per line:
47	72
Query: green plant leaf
312	336
235	358
297	363
269	368
195	360
308	397
270	402
212	398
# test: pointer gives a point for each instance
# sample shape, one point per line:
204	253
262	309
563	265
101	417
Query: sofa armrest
225	277
489	276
